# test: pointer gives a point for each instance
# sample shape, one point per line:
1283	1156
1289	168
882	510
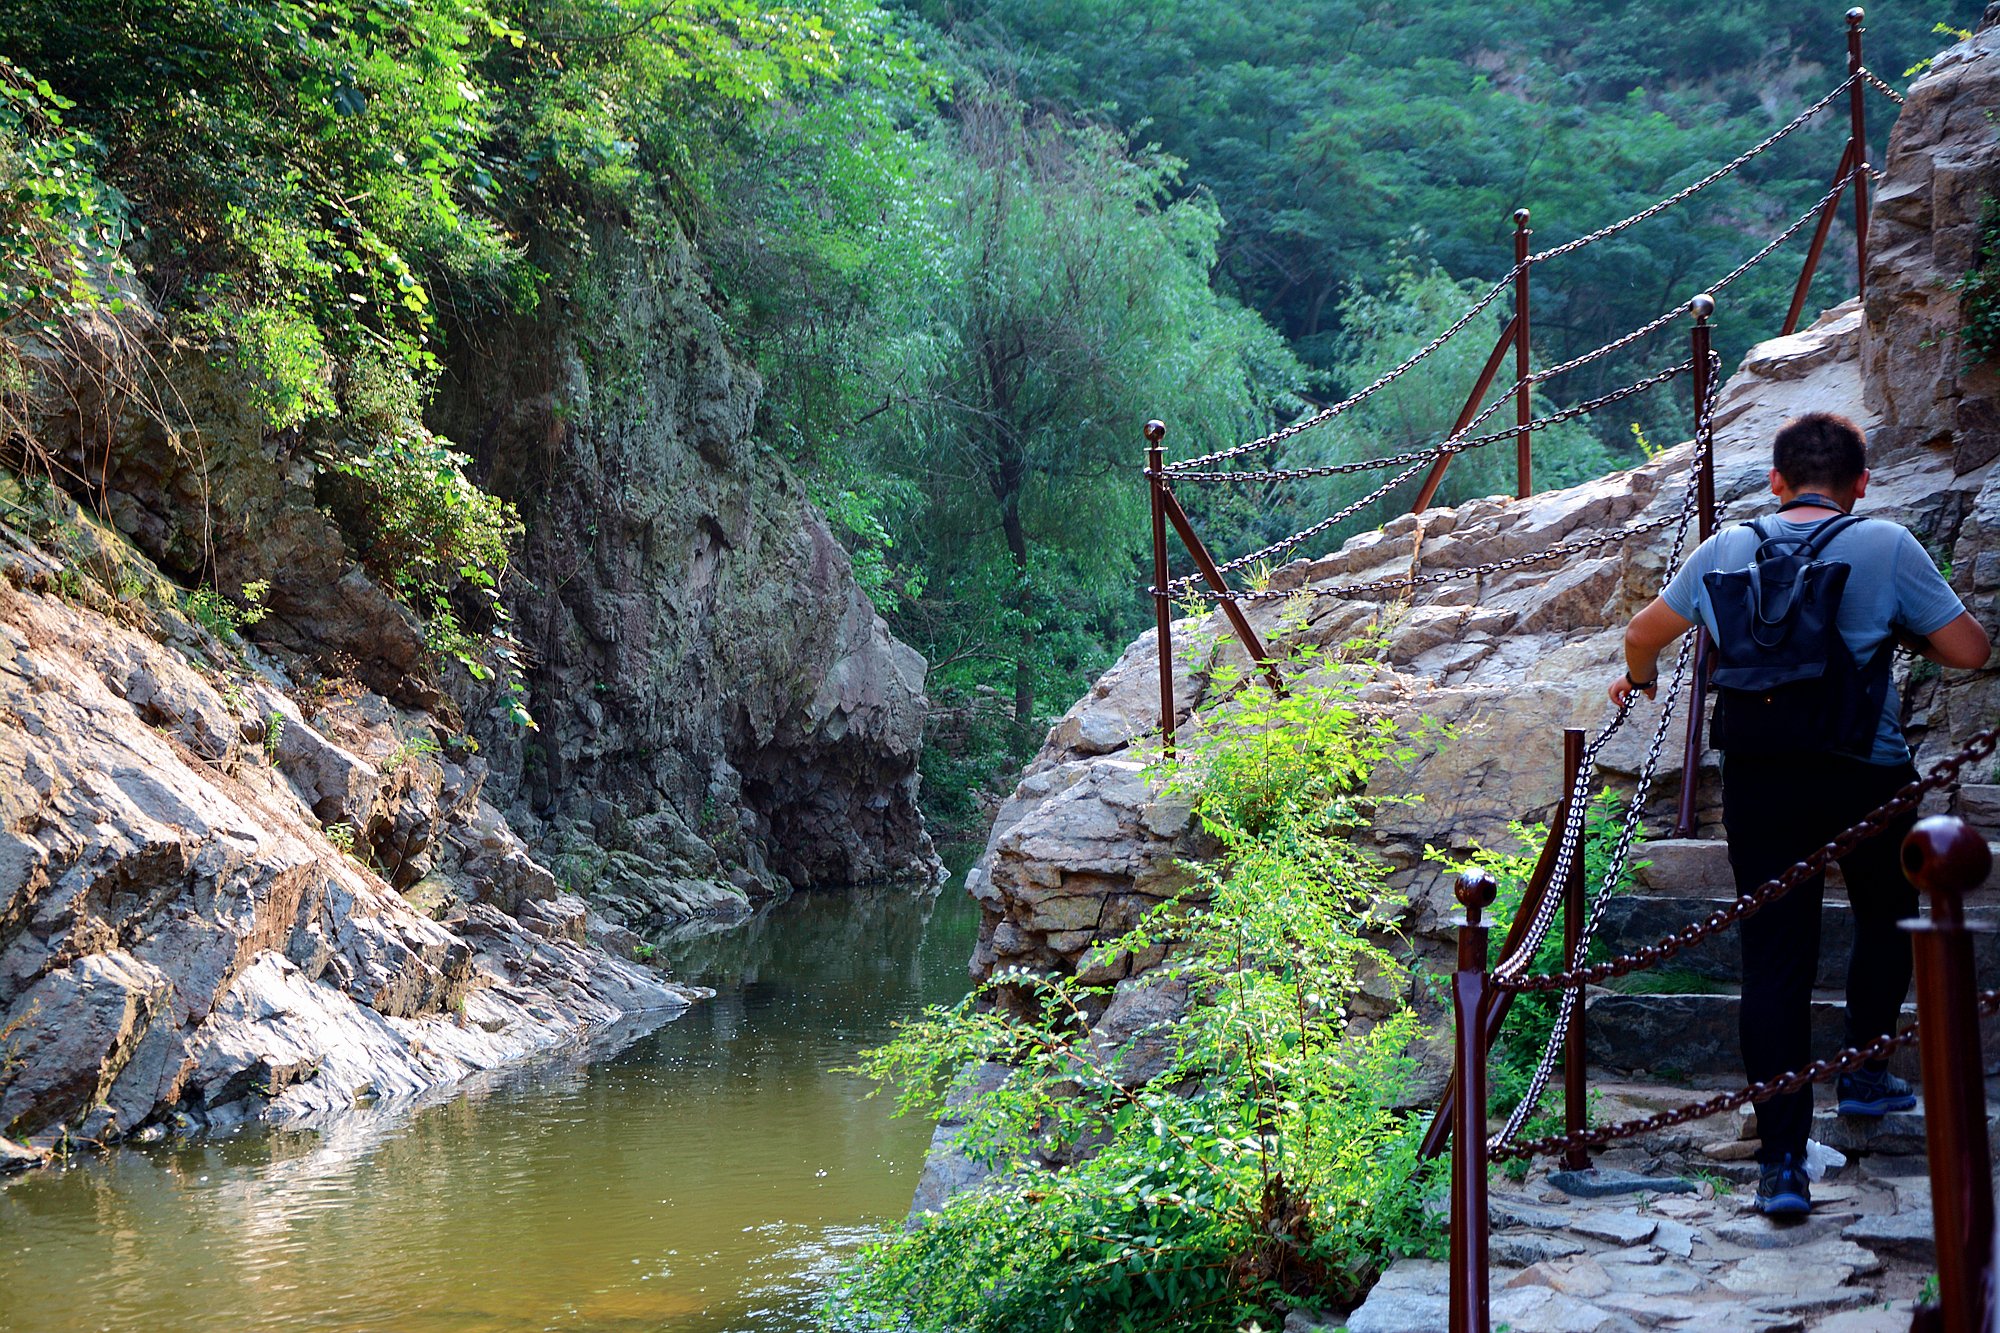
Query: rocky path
1661	1236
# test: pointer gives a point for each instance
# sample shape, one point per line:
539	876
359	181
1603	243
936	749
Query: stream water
708	1177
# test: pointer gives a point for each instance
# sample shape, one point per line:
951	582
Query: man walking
1785	795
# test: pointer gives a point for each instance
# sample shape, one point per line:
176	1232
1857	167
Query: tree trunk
1024	660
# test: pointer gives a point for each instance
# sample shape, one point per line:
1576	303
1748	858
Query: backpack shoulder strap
1828	530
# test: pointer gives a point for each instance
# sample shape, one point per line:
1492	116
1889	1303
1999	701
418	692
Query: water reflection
707	1177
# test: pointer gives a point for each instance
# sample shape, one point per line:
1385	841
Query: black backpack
1785	681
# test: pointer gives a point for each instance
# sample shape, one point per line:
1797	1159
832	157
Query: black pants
1778	809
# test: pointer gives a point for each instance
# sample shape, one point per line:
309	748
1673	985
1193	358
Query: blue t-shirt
1893	583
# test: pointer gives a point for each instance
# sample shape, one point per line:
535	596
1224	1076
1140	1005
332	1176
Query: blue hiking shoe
1783	1191
1874	1093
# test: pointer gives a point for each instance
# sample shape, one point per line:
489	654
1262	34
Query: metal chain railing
1569	853
1418	459
1661	321
1882	85
1874	823
1734	164
1817	1072
1409	582
1381	382
1193	465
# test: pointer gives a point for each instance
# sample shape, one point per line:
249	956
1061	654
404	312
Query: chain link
1661	321
1506	280
1455	444
1734	164
1816	1072
1382	382
1569	852
1873	824
1409	582
1184	471
1882	85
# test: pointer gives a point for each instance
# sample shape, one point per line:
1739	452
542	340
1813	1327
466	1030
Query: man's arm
1650	632
1960	643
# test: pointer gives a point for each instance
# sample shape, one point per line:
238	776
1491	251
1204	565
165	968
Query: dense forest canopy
969	246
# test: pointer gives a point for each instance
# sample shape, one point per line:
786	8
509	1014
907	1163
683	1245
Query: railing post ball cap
1476	891
1520	217
1856	14
1156	431
1945	854
1702	305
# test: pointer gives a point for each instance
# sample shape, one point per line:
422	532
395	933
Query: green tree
1074	302
1419	409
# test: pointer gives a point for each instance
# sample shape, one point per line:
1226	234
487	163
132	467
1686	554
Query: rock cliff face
283	873
1512	658
721	709
185	935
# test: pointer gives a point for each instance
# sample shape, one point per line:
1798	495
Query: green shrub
1266	1158
423	528
1979	294
61	229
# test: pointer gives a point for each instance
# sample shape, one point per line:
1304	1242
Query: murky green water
707	1177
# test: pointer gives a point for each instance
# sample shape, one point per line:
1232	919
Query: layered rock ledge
224	894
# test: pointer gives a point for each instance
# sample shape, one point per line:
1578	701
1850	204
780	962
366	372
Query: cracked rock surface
200	915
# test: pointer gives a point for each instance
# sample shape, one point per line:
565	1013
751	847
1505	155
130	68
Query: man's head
1820	452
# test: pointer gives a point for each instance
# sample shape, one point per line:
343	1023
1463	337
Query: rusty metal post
1246	634
1469	1294
1700	340
1524	466
1544	878
1156	482
1857	112
1575	877
1465	415
1945	857
1820	230
1700	343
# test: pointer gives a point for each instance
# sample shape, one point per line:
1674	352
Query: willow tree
1073	304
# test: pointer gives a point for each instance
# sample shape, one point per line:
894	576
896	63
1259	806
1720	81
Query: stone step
1678	1038
1699	868
1635	919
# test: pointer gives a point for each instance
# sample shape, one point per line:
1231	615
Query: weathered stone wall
721	712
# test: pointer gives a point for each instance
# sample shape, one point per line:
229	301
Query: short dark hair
1820	449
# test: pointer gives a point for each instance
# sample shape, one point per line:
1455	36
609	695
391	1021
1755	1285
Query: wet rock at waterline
188	934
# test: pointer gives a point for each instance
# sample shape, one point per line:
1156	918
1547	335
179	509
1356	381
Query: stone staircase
1661	1235
1686	1030
1680	1252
